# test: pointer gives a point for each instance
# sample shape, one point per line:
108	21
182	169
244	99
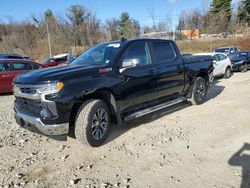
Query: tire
92	125
243	68
199	91
227	73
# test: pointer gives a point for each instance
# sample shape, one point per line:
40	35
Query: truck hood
56	73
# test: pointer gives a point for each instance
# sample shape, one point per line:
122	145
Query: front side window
216	57
99	55
164	52
1	67
138	51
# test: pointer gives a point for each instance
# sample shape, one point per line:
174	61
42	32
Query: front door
138	86
220	65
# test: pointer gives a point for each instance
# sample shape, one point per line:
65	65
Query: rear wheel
199	91
227	73
243	68
92	124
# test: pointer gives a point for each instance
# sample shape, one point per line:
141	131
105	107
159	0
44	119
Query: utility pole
48	33
174	23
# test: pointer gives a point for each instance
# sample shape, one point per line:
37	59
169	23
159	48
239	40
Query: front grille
28	90
29	106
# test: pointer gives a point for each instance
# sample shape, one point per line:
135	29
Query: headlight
50	88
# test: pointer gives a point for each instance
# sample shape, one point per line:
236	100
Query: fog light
45	113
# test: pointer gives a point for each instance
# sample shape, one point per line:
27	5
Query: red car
10	68
58	59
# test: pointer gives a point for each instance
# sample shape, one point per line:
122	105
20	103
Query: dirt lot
188	146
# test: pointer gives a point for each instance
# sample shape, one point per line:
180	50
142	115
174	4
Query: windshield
223	50
98	55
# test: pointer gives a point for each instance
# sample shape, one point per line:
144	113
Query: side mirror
128	63
214	61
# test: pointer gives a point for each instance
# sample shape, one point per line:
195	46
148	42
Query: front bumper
56	129
34	109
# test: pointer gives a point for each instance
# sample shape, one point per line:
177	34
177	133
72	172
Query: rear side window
21	66
163	52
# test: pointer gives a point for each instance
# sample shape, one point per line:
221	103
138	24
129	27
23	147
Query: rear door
170	69
5	77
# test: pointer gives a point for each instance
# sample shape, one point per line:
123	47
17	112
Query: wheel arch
104	94
203	75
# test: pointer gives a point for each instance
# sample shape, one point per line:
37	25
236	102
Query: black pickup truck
108	84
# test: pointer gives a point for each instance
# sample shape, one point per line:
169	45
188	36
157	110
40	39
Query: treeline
73	32
221	16
79	28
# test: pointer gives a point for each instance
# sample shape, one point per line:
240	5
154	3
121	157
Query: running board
154	108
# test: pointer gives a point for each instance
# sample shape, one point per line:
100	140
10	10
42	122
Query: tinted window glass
6	56
59	60
216	57
14	57
1	67
4	67
138	51
22	66
223	50
236	49
35	66
101	54
222	57
164	52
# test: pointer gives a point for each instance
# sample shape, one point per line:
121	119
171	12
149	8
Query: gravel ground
187	146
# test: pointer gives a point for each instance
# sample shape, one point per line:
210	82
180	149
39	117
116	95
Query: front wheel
227	73
199	91
92	123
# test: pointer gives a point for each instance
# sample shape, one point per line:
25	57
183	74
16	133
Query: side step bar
155	108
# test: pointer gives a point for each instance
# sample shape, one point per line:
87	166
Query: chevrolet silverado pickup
108	84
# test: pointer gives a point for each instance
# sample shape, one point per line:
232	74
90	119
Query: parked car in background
10	56
10	68
240	61
227	50
27	57
58	59
246	54
222	64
